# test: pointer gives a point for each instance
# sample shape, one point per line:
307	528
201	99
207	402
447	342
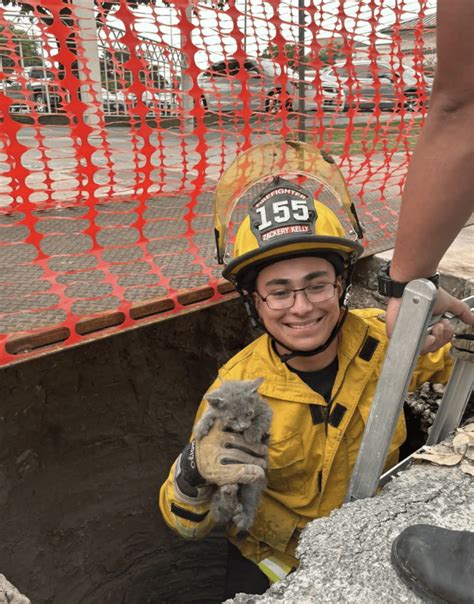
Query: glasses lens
320	292
281	299
285	298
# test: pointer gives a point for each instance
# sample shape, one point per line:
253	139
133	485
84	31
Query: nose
302	304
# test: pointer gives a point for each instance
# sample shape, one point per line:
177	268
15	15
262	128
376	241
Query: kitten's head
237	402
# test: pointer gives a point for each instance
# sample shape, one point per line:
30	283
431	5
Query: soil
87	436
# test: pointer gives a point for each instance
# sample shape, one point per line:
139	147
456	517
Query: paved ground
459	259
94	258
113	254
120	155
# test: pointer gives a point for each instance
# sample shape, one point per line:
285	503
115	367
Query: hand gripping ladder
410	330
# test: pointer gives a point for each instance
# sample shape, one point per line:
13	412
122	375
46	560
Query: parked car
34	90
114	102
396	89
324	92
160	102
221	85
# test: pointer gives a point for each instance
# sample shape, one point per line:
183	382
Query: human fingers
446	303
393	308
237	441
250	473
441	333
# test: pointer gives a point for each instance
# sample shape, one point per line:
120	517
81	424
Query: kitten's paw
238	511
252	436
242	520
230	490
221	514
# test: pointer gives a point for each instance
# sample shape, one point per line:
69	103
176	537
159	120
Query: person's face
305	325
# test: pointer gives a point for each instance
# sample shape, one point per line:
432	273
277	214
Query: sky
213	33
213	29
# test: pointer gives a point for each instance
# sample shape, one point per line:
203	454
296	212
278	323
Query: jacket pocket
286	468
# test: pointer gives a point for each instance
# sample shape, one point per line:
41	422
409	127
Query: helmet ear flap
347	286
250	309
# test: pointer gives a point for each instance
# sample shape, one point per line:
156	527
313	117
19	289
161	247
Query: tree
331	53
15	42
327	55
290	51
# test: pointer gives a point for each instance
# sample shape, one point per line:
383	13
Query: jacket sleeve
185	514
186	510
433	367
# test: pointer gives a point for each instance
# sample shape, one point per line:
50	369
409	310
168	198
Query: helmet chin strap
308	353
257	322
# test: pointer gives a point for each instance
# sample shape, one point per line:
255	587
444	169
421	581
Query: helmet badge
283	208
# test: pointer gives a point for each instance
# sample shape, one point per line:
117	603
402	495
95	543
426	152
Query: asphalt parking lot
53	164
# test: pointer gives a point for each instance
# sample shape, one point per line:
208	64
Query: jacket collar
284	383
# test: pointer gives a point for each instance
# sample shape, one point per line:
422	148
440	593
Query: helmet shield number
285	159
282	209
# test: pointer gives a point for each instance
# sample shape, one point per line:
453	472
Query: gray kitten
239	406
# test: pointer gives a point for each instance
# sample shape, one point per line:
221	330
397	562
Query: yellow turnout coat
310	462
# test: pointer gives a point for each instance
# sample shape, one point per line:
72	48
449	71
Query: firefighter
320	362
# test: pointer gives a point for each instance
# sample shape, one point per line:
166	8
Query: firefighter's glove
226	458
221	458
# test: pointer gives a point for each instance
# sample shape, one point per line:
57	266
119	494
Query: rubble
424	404
10	594
345	558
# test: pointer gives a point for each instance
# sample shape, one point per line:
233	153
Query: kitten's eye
250	413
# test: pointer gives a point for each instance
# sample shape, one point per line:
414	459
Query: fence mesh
119	117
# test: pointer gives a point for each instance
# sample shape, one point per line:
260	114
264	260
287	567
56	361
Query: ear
339	286
257	301
214	399
256	383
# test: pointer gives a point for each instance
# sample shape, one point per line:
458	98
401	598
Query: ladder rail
453	403
402	352
413	319
456	396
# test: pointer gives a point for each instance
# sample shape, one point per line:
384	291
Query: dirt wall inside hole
87	436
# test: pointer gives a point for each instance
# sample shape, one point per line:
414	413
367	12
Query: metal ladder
410	330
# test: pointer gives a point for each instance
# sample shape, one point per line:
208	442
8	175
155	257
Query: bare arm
439	191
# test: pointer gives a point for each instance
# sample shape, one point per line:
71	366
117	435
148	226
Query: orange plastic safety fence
119	117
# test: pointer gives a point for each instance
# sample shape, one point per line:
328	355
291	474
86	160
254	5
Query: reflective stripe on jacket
310	461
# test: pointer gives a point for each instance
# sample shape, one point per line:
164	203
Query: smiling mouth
305	325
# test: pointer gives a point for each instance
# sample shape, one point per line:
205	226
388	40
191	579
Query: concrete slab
346	557
459	258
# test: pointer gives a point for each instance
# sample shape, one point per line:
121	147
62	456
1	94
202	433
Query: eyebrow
307	277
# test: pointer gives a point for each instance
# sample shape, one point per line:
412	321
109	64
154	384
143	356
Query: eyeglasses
285	298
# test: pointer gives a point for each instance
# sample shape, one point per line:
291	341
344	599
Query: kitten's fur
239	406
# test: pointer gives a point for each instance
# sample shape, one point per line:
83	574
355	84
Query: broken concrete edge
345	557
9	594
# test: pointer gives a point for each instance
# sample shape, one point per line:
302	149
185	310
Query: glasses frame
295	291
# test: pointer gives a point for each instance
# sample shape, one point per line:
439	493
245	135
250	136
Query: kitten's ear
215	399
256	383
